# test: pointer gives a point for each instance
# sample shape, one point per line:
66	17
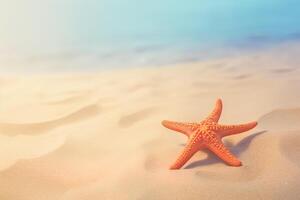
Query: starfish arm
218	148
225	130
216	113
185	128
188	151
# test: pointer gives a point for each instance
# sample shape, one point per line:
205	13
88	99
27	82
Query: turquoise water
205	22
91	34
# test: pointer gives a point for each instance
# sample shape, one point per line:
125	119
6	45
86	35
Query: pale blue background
94	33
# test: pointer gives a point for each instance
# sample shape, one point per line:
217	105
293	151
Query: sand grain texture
99	136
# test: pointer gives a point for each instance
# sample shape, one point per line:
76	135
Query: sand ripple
132	118
82	113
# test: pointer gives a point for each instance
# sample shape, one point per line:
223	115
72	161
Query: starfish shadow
237	150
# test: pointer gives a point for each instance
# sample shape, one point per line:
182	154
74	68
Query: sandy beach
99	135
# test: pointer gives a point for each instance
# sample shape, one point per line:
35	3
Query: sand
98	136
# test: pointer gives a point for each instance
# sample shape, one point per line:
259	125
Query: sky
35	27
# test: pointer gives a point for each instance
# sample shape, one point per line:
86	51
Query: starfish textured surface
207	134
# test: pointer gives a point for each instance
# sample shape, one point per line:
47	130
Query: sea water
62	35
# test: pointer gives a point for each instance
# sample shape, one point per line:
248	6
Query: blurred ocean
83	35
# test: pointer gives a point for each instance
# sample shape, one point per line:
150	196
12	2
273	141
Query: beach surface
99	135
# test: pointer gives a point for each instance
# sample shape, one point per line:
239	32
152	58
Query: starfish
207	134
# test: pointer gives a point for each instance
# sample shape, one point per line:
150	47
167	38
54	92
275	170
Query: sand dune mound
290	146
281	120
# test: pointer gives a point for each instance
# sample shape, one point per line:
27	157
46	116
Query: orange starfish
207	134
